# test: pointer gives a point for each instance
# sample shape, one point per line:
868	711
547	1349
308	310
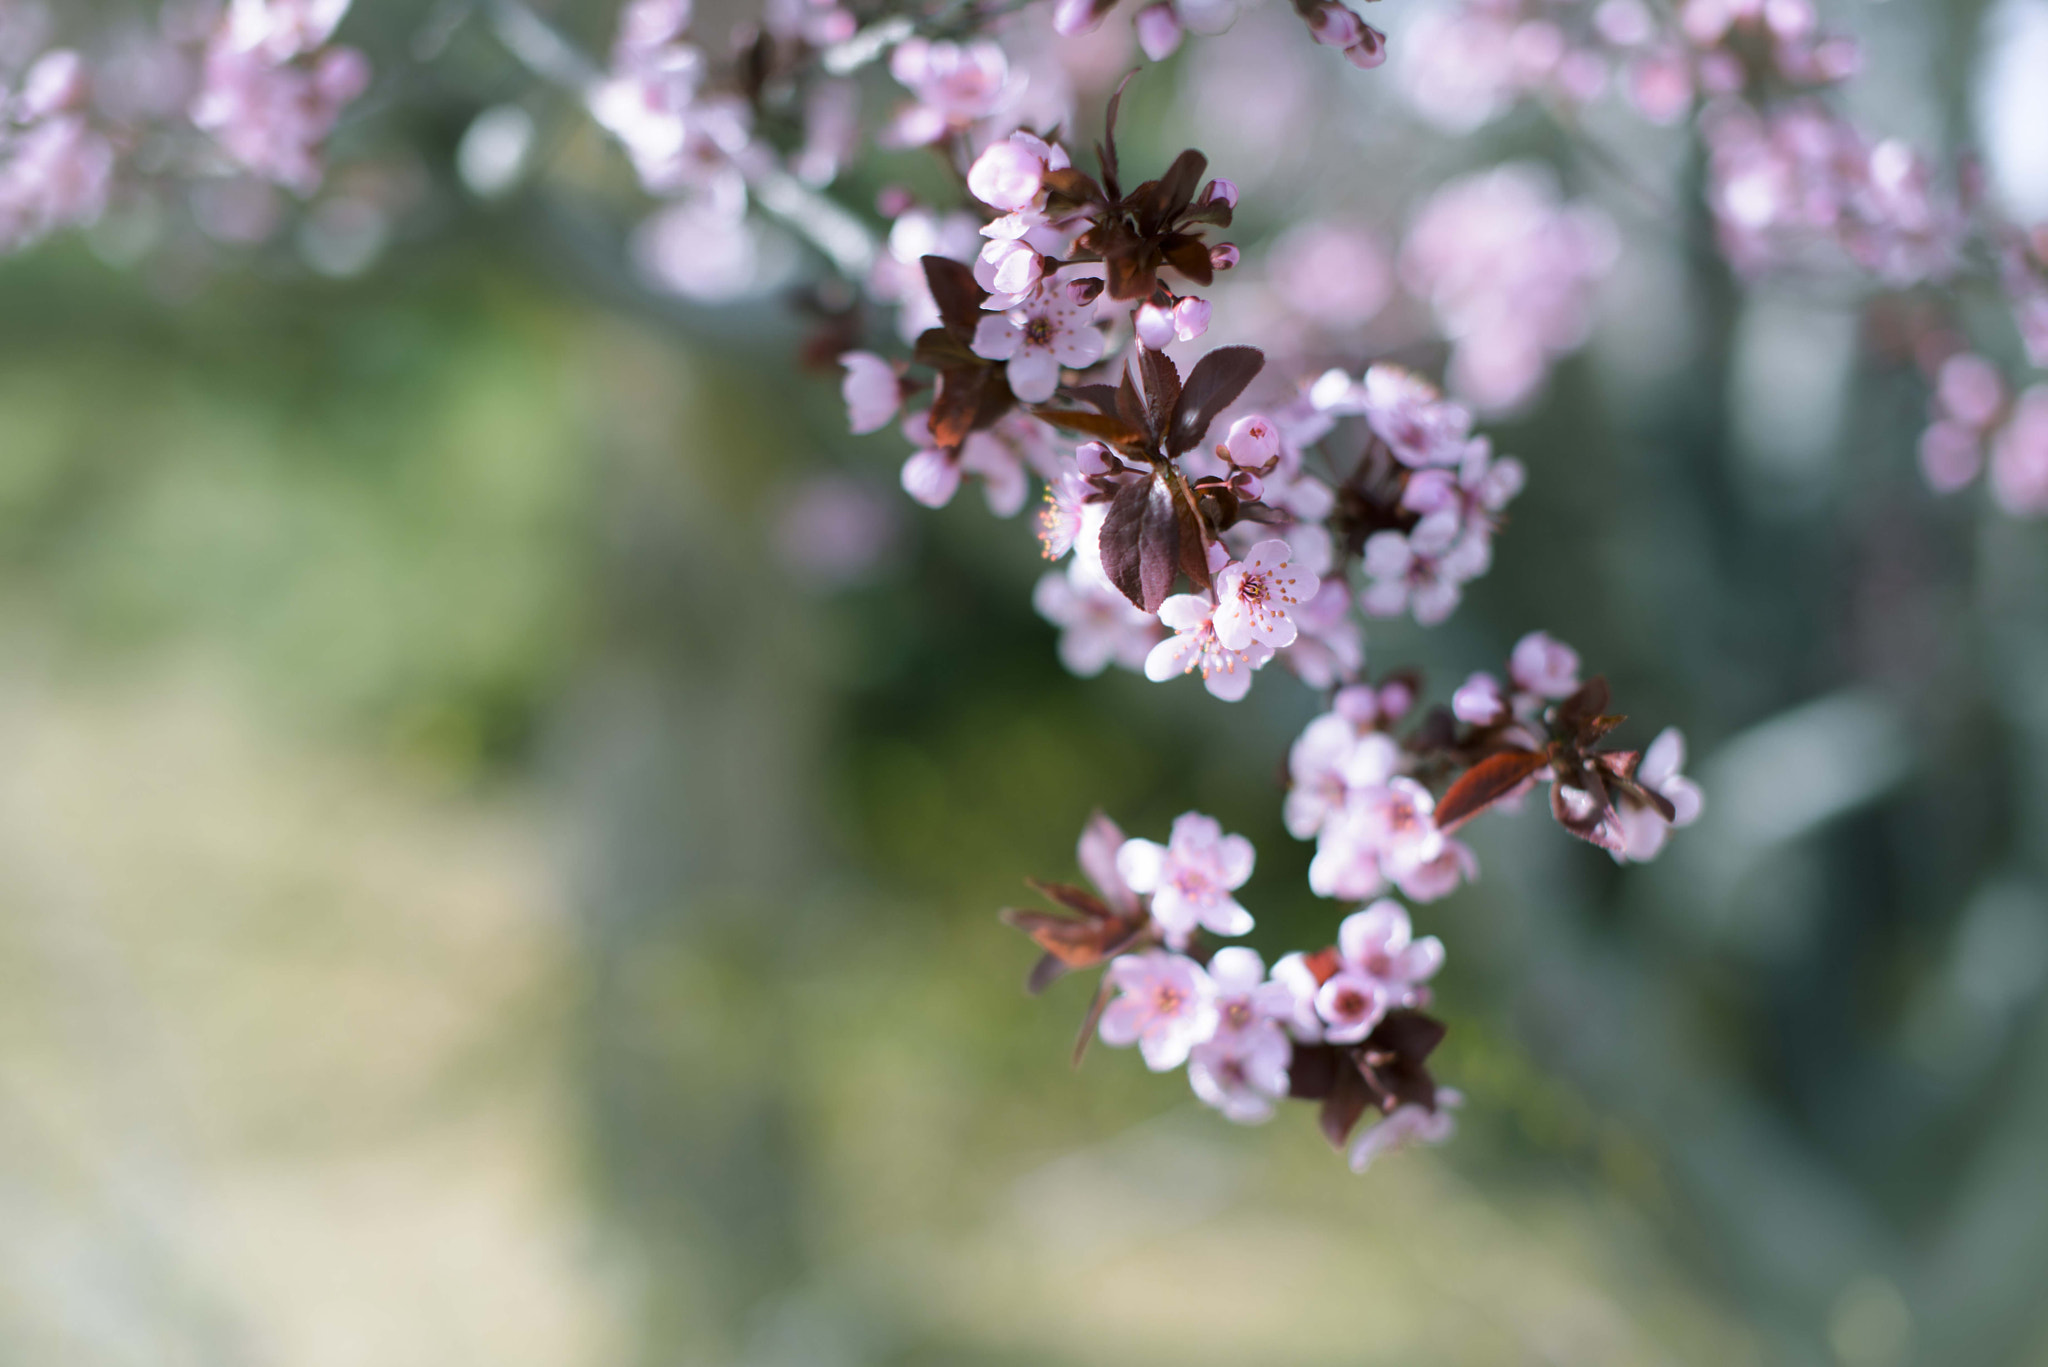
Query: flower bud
1369	51
1094	458
1222	192
1190	318
1155	327
1332	25
1222	256
1252	441
1159	31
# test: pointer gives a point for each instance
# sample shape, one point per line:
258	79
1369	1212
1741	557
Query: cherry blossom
1192	876
1166	1006
1241	1075
1037	339
1544	666
1098	626
956	84
2019	458
1256	597
1406	1125
1644	830
871	389
1226	673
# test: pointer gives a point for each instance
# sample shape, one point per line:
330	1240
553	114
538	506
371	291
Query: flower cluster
1344	1025
272	87
257	80
55	168
1508	270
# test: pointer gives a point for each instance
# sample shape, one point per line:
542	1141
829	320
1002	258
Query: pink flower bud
1007	176
1395	699
1332	25
1094	458
1071	17
1478	702
1970	390
1247	485
1222	192
1357	704
1155	327
1369	51
1159	31
1085	290
1222	256
1253	440
1190	318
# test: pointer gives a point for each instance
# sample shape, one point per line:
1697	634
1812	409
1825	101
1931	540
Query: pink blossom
1252	440
1010	174
1378	943
1159	31
1423	571
1191	877
871	390
1098	626
1384	832
1242	1069
2019	457
1256	597
955	85
1951	455
1331	647
1406	1125
1432	879
1292	975
932	474
1643	830
1226	673
1545	666
55	175
1407	413
1327	763
1037	339
1166	1005
268	97
1970	390
1508	270
1478	701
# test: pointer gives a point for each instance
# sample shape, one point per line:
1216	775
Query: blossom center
1038	332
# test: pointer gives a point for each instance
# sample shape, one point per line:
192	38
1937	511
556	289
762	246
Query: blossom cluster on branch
248	91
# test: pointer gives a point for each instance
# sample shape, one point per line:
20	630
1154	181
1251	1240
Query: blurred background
505	804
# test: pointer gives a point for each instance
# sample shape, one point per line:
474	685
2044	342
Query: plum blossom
1098	626
1037	339
1166	1005
270	92
871	390
956	85
1242	1069
1226	673
1010	175
1191	877
1423	571
1508	270
1385	832
1643	830
1406	1125
932	473
2019	457
1380	967
1544	666
1404	410
1256	597
1328	762
54	175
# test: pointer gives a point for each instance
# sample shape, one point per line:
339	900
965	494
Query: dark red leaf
1100	397
1073	185
1585	813
1141	541
1162	385
1047	971
941	350
1192	549
1486	783
1130	405
1212	386
956	294
1105	151
1071	897
1160	201
957	404
1312	1071
1323	964
1113	430
1583	706
1348	1098
1189	256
